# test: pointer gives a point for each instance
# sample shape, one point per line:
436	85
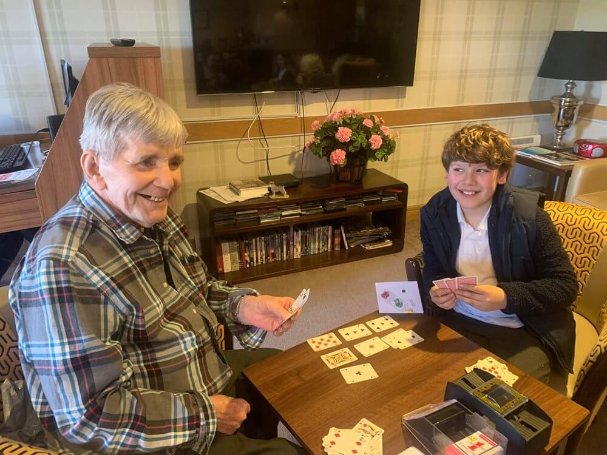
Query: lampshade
578	56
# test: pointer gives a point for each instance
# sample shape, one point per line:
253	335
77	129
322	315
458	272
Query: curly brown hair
479	144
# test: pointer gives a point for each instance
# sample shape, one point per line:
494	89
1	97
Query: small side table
557	177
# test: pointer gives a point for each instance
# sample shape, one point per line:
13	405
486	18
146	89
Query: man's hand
267	312
442	297
230	412
483	297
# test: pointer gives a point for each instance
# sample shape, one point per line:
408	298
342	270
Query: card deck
454	283
382	323
338	358
496	368
358	373
325	341
354	332
371	346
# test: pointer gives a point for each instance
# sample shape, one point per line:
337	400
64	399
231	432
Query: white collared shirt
474	259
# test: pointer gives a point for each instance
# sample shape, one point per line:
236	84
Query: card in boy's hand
382	323
358	373
338	358
354	332
325	341
371	346
472	280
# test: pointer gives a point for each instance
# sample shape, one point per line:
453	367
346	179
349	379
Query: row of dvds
280	212
253	249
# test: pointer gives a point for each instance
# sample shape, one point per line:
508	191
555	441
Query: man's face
473	185
139	181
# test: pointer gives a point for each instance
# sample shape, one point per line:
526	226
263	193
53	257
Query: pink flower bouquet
348	134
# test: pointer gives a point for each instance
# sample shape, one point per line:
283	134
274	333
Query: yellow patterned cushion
10	447
584	233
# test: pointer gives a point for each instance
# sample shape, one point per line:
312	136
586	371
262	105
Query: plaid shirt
115	358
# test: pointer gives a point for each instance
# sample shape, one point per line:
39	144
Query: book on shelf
557	158
249	187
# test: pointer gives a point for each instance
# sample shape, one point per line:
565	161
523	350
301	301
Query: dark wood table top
310	398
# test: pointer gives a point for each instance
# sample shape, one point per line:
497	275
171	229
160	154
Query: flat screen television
248	46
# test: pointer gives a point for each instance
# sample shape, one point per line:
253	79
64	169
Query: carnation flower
337	157
375	142
348	136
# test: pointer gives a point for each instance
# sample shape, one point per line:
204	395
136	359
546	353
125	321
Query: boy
481	226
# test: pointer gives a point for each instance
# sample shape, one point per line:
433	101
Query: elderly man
116	315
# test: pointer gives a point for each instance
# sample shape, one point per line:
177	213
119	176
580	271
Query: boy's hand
483	297
442	297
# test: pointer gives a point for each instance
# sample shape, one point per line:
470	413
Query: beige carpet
338	294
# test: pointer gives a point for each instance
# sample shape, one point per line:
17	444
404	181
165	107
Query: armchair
10	368
583	231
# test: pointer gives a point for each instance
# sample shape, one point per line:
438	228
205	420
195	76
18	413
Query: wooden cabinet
218	222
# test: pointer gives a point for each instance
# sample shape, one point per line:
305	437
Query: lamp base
566	108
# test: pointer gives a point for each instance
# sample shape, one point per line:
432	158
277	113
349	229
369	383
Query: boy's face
140	180
473	185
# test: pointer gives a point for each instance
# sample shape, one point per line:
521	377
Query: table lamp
570	56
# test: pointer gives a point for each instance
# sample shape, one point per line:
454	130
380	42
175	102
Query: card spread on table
346	441
455	283
371	346
354	332
496	368
325	341
398	297
402	339
382	323
342	441
358	373
338	358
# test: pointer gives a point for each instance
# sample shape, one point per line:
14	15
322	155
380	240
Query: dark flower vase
352	172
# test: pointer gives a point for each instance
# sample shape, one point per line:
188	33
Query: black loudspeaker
54	122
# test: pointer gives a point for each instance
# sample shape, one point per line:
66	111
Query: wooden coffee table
309	398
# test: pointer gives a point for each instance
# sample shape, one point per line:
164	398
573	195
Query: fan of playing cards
365	438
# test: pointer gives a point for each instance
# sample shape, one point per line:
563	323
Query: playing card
354	332
358	373
371	346
496	368
441	284
338	358
412	338
451	283
466	280
398	297
397	339
348	441
300	301
382	323
367	426
324	341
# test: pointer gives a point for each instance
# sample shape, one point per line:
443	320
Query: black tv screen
245	46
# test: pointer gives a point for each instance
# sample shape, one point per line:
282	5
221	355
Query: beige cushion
587	177
586	338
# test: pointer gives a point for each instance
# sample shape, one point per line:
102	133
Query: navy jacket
530	263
